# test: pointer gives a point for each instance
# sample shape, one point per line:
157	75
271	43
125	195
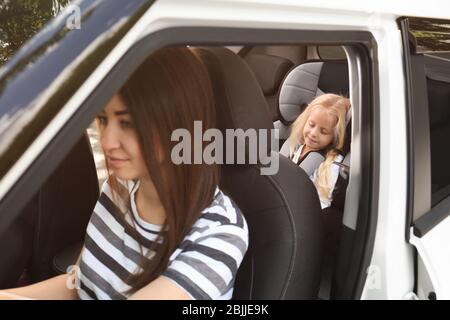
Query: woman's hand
57	288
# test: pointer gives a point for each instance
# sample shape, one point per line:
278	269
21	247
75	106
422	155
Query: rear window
432	39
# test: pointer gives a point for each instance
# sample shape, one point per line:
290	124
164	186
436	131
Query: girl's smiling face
318	131
120	142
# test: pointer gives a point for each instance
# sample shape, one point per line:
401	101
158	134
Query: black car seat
282	210
66	203
270	71
55	218
16	245
300	86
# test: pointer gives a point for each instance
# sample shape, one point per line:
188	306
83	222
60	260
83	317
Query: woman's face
120	142
318	132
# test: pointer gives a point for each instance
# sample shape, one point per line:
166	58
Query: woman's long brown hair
170	90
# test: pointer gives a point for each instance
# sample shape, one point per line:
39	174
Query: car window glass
431	37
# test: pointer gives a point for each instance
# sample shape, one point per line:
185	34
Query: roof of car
414	8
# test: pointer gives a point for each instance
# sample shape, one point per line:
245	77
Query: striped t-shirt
204	265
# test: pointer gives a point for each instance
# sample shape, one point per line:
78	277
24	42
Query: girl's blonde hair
336	106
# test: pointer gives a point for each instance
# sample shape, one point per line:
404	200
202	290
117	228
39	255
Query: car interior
293	243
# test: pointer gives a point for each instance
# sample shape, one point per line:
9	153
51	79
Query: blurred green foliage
431	34
21	19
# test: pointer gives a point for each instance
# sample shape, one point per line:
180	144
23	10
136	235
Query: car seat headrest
309	80
240	103
269	70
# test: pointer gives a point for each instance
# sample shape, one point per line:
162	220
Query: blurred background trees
21	19
431	34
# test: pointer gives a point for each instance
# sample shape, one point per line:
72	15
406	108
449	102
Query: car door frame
426	224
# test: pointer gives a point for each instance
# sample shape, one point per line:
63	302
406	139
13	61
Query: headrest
240	103
269	70
308	80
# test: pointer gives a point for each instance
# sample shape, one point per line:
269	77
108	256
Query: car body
394	241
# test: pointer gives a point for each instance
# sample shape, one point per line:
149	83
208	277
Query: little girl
321	128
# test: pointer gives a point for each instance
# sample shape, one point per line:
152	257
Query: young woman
158	230
321	128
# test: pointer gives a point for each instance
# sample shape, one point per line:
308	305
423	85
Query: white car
389	238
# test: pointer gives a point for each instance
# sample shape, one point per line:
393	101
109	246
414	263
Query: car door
427	65
76	84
